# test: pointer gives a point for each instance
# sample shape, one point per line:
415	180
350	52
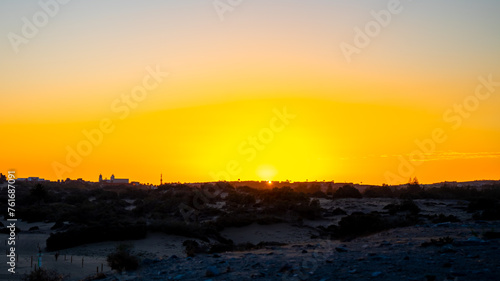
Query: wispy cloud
453	155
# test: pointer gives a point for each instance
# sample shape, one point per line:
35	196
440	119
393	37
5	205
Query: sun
266	172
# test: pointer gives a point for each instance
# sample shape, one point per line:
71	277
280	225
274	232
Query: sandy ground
69	262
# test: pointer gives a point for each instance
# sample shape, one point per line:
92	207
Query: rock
216	256
57	225
258	275
255	265
475	239
212	271
304	251
34	228
376	274
447	249
384	244
179	277
471	241
286	267
380	257
352	271
341	249
338	212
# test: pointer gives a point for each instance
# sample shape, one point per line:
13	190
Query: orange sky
219	113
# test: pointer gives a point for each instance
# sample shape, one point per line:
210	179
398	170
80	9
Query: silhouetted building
113	180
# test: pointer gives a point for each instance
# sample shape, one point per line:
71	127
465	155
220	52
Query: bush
405	206
489	214
42	274
491	235
378	192
347	191
191	248
442	218
121	259
438	242
182	229
482	204
489	208
309	211
240	199
80	235
359	224
235	220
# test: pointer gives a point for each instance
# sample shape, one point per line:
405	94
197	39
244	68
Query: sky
352	91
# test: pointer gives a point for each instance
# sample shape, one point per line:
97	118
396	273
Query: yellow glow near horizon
324	140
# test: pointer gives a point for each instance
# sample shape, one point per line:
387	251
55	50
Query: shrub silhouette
42	274
442	218
405	206
240	199
481	204
347	191
191	248
359	224
378	192
121	259
438	242
486	208
80	235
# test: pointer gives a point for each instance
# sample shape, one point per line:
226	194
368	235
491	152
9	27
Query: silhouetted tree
329	189
347	191
314	188
39	193
378	192
3	178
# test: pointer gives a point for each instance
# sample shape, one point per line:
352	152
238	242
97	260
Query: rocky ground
459	251
396	254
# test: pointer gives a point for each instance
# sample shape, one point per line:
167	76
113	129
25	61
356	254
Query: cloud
452	155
